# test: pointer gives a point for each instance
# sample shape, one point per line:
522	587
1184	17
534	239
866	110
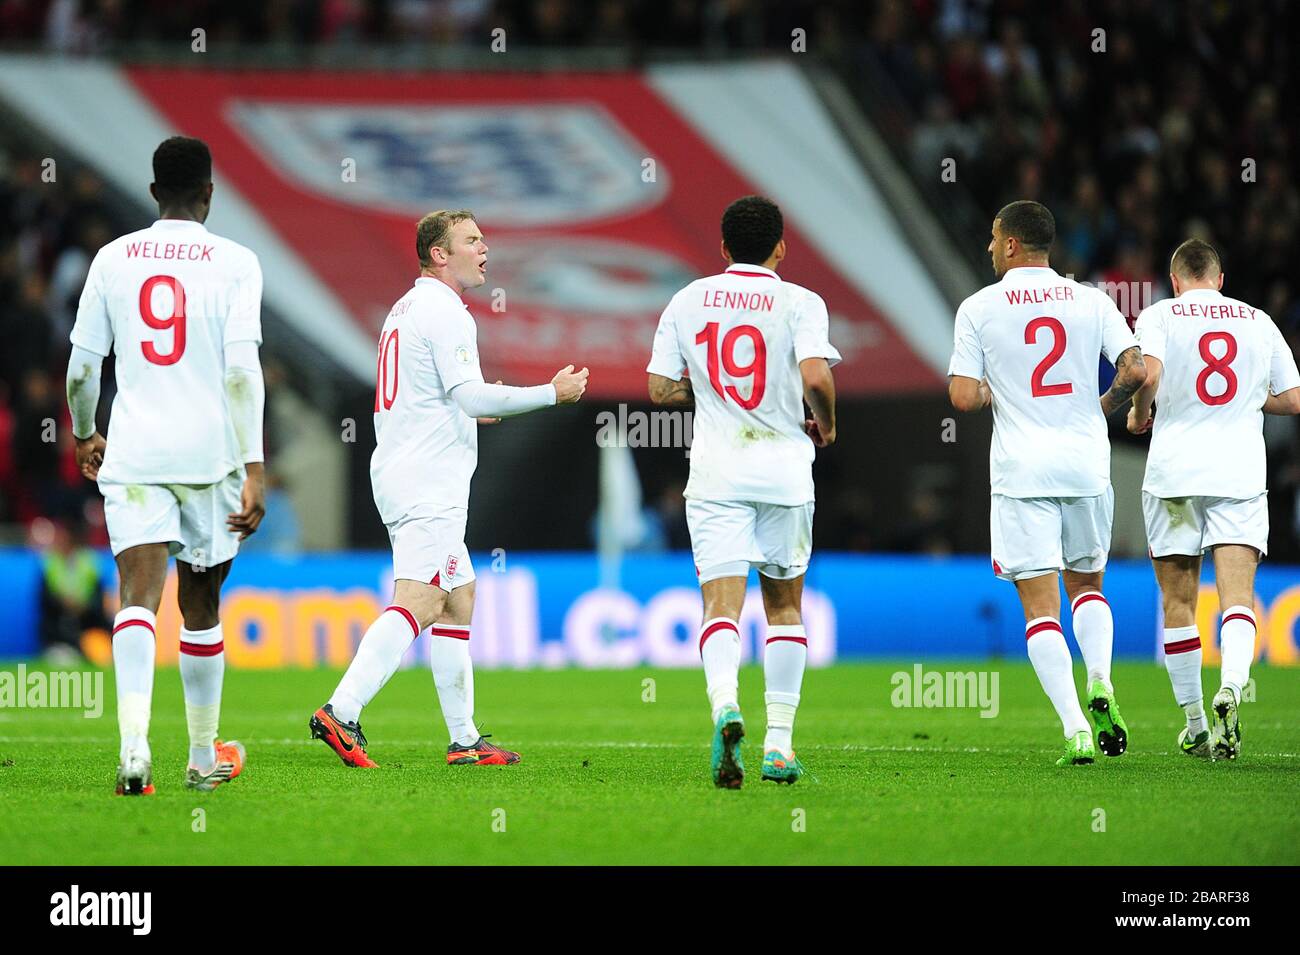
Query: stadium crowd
1171	121
47	238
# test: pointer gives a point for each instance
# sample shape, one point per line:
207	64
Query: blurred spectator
72	589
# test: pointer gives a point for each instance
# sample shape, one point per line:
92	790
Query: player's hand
1138	425
491	420
90	455
819	437
252	501
569	384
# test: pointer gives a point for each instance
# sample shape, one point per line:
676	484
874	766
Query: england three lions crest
539	164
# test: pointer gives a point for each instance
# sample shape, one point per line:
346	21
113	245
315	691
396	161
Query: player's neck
1202	287
184	215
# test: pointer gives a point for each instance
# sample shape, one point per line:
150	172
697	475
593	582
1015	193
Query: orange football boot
346	739
229	764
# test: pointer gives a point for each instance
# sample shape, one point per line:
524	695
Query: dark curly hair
1030	222
182	166
751	227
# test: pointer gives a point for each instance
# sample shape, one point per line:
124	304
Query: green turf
609	778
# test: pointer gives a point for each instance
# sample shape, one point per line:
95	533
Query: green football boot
728	770
1227	728
1079	750
779	769
1111	730
1198	746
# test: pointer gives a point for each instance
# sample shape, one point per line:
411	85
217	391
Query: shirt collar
1203	291
751	271
179	224
1030	272
428	281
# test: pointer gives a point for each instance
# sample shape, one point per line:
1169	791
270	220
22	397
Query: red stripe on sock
1240	616
410	617
1085	598
455	633
714	628
1183	646
803	640
203	649
134	623
1045	625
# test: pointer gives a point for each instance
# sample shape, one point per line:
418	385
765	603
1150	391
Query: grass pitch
609	778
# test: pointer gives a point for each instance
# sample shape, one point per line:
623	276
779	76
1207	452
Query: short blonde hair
435	230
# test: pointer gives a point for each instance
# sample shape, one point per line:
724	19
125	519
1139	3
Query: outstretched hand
569	384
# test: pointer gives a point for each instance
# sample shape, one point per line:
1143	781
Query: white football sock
133	662
720	651
376	661
203	665
453	675
1051	659
1237	647
1183	661
1094	629
784	658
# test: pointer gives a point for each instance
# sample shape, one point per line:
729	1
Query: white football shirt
741	336
426	447
1221	359
167	300
1037	337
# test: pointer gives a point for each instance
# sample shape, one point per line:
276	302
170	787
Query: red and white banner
597	197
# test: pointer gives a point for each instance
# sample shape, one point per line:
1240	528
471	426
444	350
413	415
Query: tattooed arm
671	394
1130	375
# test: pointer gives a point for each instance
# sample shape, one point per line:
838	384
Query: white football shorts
189	518
730	537
1033	536
1190	525
429	546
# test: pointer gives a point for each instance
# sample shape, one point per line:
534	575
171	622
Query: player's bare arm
1130	375
969	395
819	392
1288	402
671	394
1141	415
